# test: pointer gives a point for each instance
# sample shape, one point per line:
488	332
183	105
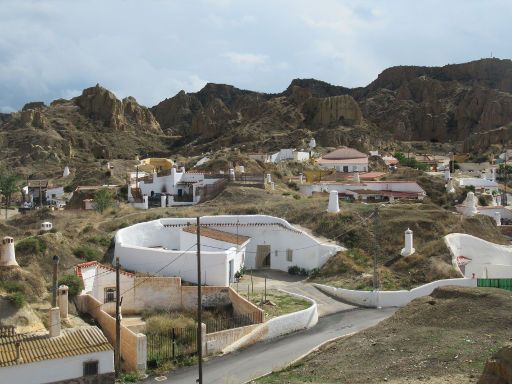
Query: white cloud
246	58
55	48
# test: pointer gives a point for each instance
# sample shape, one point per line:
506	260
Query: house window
110	294
289	255
90	368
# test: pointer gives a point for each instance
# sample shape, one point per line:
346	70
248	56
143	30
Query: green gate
495	283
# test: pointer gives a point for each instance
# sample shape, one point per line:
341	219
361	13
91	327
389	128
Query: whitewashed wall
308	189
135	247
279	326
49	371
488	260
383	299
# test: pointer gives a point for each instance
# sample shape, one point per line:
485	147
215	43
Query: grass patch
279	303
31	246
88	253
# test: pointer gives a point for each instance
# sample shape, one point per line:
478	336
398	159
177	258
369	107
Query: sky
152	49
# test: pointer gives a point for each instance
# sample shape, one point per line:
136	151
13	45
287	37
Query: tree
8	186
103	199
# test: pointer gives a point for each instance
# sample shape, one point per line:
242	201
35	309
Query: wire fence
171	344
222	324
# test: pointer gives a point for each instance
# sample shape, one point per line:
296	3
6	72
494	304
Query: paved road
247	364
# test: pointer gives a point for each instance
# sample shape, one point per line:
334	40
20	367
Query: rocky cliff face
338	110
449	103
440	103
102	105
498	369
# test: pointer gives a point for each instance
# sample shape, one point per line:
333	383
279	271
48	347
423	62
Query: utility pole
375	252
117	356
199	309
55	280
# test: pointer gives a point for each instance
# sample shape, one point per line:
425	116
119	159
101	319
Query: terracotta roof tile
215	234
33	347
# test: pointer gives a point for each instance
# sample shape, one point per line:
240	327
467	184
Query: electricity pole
117	357
55	280
375	254
199	320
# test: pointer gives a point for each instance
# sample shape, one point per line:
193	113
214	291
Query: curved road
259	359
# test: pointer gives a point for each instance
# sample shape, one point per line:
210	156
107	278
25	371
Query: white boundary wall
279	326
488	260
375	299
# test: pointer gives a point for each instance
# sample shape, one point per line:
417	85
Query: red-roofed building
344	159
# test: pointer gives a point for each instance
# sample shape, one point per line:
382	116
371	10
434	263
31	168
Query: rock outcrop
440	103
339	110
498	370
102	105
33	117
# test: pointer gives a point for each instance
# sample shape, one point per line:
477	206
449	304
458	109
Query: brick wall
242	306
133	346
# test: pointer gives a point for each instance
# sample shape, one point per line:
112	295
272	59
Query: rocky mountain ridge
470	103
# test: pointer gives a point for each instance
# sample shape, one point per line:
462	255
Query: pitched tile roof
87	264
33	347
215	234
343	153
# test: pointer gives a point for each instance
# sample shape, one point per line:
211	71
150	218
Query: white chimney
145	199
7	255
409	249
269	178
312	143
66	171
497	217
46	226
63	301
334	204
163	200
241	168
469	208
301	178
231	174
356	177
446	174
182	169
54	322
498	200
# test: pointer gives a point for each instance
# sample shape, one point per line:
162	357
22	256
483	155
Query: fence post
173	344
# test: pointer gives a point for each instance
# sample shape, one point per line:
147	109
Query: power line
122	293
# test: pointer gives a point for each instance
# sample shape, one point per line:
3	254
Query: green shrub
104	241
11	286
74	283
87	228
88	253
296	196
17	299
31	245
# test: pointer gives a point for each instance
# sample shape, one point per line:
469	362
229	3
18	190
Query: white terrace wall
375	299
279	326
308	189
488	260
